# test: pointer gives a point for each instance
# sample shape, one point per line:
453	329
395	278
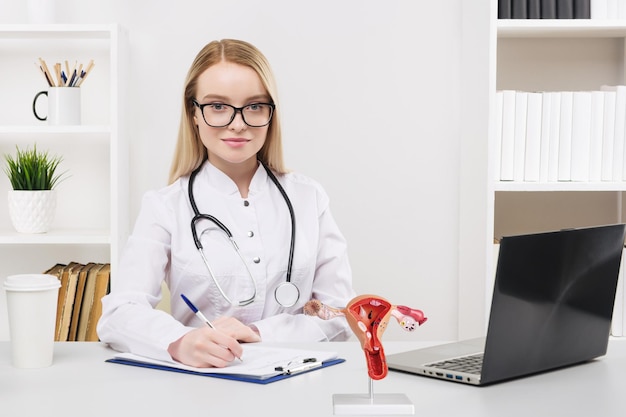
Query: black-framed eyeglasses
222	114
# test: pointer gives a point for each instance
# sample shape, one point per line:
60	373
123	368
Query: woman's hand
205	347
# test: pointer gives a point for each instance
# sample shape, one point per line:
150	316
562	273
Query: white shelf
56	237
45	129
561	28
92	210
559	186
79	32
491	52
555	55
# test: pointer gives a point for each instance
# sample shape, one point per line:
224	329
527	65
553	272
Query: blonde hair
190	151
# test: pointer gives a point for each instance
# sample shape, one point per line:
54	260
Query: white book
498	136
507	148
621	9
612	9
597	131
555	133
620	125
532	151
519	140
599	9
565	137
546	121
608	135
581	135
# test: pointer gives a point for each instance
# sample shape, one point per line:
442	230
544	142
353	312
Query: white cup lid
31	282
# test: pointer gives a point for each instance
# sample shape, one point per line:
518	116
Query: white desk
80	383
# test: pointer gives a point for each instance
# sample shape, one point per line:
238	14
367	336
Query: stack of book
79	305
561	136
549	9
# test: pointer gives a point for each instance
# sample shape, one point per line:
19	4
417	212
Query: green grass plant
33	170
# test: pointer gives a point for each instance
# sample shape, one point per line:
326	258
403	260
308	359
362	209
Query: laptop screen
553	300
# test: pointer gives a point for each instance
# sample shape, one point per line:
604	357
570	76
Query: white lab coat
161	247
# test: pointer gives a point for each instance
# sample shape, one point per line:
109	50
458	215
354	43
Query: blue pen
197	312
201	316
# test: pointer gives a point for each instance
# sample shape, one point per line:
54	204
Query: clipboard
280	375
262	364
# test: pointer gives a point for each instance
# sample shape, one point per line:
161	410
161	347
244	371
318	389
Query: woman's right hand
205	347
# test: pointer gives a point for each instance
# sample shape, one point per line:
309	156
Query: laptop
552	307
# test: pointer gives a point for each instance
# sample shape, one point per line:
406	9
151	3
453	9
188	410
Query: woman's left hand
236	329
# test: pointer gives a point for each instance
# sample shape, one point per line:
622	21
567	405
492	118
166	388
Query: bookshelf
555	55
526	55
91	222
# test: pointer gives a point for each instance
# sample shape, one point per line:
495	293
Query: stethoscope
287	293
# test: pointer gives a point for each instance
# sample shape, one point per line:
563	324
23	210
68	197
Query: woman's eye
217	106
254	107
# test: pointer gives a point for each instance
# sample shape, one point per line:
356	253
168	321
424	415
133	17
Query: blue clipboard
244	378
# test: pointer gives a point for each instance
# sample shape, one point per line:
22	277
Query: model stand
372	404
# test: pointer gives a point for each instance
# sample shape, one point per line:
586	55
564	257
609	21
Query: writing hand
205	348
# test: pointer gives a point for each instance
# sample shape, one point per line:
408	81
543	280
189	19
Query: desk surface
81	383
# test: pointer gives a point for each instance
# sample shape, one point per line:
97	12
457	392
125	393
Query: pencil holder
64	106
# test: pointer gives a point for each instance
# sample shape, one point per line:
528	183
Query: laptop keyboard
471	364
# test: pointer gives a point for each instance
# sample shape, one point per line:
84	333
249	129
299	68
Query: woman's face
236	144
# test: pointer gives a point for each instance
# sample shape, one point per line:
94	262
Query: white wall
369	96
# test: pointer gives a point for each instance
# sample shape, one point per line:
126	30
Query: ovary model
368	316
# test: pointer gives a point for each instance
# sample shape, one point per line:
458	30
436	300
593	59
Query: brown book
103	278
57	270
63	292
78	300
87	302
69	283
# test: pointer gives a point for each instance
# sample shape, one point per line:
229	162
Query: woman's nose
238	124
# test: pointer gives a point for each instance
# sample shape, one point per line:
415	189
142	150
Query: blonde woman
234	235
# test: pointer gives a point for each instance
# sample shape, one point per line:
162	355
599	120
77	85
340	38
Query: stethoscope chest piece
287	294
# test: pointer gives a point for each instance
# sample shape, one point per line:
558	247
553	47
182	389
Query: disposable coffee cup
63	106
31	306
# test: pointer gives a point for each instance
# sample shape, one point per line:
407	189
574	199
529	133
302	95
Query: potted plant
32	201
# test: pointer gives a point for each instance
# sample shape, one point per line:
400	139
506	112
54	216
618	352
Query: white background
369	94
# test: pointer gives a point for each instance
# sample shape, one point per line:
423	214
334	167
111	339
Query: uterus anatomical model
368	316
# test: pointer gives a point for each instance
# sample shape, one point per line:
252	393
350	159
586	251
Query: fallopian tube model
368	316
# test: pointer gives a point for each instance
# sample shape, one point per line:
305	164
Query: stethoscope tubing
199	216
293	219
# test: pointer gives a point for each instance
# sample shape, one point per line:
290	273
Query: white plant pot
32	211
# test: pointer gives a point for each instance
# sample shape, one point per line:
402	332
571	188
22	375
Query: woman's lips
235	142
